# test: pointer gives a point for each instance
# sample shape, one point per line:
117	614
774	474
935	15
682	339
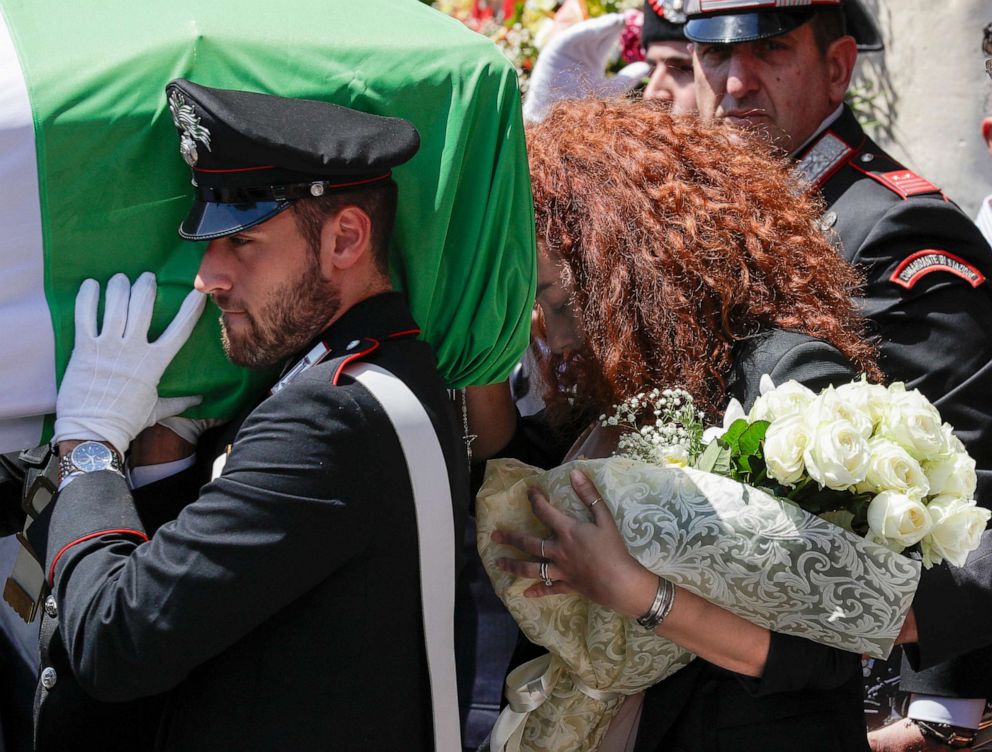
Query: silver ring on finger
596	501
543	541
542	572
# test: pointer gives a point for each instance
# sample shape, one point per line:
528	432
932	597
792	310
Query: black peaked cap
729	22
253	154
658	27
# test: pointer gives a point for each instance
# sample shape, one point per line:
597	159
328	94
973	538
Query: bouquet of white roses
745	516
876	460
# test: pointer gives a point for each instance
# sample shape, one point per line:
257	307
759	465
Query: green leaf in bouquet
715	459
732	436
842	518
859	508
750	459
750	440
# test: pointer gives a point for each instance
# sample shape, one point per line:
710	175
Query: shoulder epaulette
883	169
364	347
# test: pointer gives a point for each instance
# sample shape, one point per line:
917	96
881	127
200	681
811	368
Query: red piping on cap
358	182
237	169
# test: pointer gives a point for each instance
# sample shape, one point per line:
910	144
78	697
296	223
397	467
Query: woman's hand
590	558
585	557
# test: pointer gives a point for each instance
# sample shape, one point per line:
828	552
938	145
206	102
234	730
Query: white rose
786	399
892	469
952	475
830	406
870	399
673	455
957	527
898	519
785	442
952	444
912	422
836	455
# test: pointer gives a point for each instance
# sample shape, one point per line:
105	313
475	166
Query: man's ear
345	239
987	131
841	56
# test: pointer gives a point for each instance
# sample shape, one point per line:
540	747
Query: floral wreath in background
522	28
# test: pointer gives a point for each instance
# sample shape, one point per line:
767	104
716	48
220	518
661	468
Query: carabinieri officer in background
783	68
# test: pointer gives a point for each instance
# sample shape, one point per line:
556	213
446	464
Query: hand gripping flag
91	181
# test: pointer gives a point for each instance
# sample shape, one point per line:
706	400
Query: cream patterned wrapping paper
762	558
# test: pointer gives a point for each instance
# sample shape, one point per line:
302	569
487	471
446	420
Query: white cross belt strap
436	539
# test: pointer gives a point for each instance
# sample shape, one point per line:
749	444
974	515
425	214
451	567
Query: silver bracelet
664	599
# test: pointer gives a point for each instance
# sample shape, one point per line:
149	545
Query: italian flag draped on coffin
91	181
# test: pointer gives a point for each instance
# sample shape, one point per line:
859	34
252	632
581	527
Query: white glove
110	388
189	429
573	66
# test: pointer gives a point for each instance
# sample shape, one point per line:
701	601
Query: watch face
91	456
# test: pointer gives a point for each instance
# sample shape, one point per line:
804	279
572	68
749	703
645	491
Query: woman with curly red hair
679	253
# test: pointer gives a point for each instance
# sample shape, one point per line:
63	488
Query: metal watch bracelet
67	465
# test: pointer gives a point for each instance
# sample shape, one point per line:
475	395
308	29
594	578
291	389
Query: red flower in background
630	39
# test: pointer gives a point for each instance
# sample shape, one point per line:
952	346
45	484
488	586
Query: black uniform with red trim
930	307
927	298
281	609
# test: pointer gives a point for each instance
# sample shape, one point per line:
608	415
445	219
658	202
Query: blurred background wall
928	91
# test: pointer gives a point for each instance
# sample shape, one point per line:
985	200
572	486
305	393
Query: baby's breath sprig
661	426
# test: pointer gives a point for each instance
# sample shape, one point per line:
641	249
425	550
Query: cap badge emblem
674	11
188	122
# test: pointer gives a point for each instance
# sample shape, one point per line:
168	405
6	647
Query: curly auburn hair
678	239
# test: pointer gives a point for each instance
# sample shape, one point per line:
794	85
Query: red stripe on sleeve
67	546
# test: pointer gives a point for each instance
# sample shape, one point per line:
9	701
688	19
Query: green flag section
90	162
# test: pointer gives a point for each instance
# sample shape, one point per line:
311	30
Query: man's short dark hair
828	26
378	201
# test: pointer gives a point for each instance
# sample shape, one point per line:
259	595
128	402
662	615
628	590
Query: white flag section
27	342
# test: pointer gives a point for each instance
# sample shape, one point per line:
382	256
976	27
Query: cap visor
744	27
207	220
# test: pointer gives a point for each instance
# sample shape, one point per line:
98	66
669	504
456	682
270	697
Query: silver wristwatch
89	457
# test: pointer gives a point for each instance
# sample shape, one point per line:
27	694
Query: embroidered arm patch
920	264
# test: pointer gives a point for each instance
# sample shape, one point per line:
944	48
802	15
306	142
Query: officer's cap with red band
733	21
252	155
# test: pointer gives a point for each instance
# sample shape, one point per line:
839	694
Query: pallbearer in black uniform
282	609
782	68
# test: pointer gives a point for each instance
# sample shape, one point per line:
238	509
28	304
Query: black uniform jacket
809	694
281	609
926	263
953	607
929	303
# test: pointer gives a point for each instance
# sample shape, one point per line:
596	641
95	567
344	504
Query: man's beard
290	318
